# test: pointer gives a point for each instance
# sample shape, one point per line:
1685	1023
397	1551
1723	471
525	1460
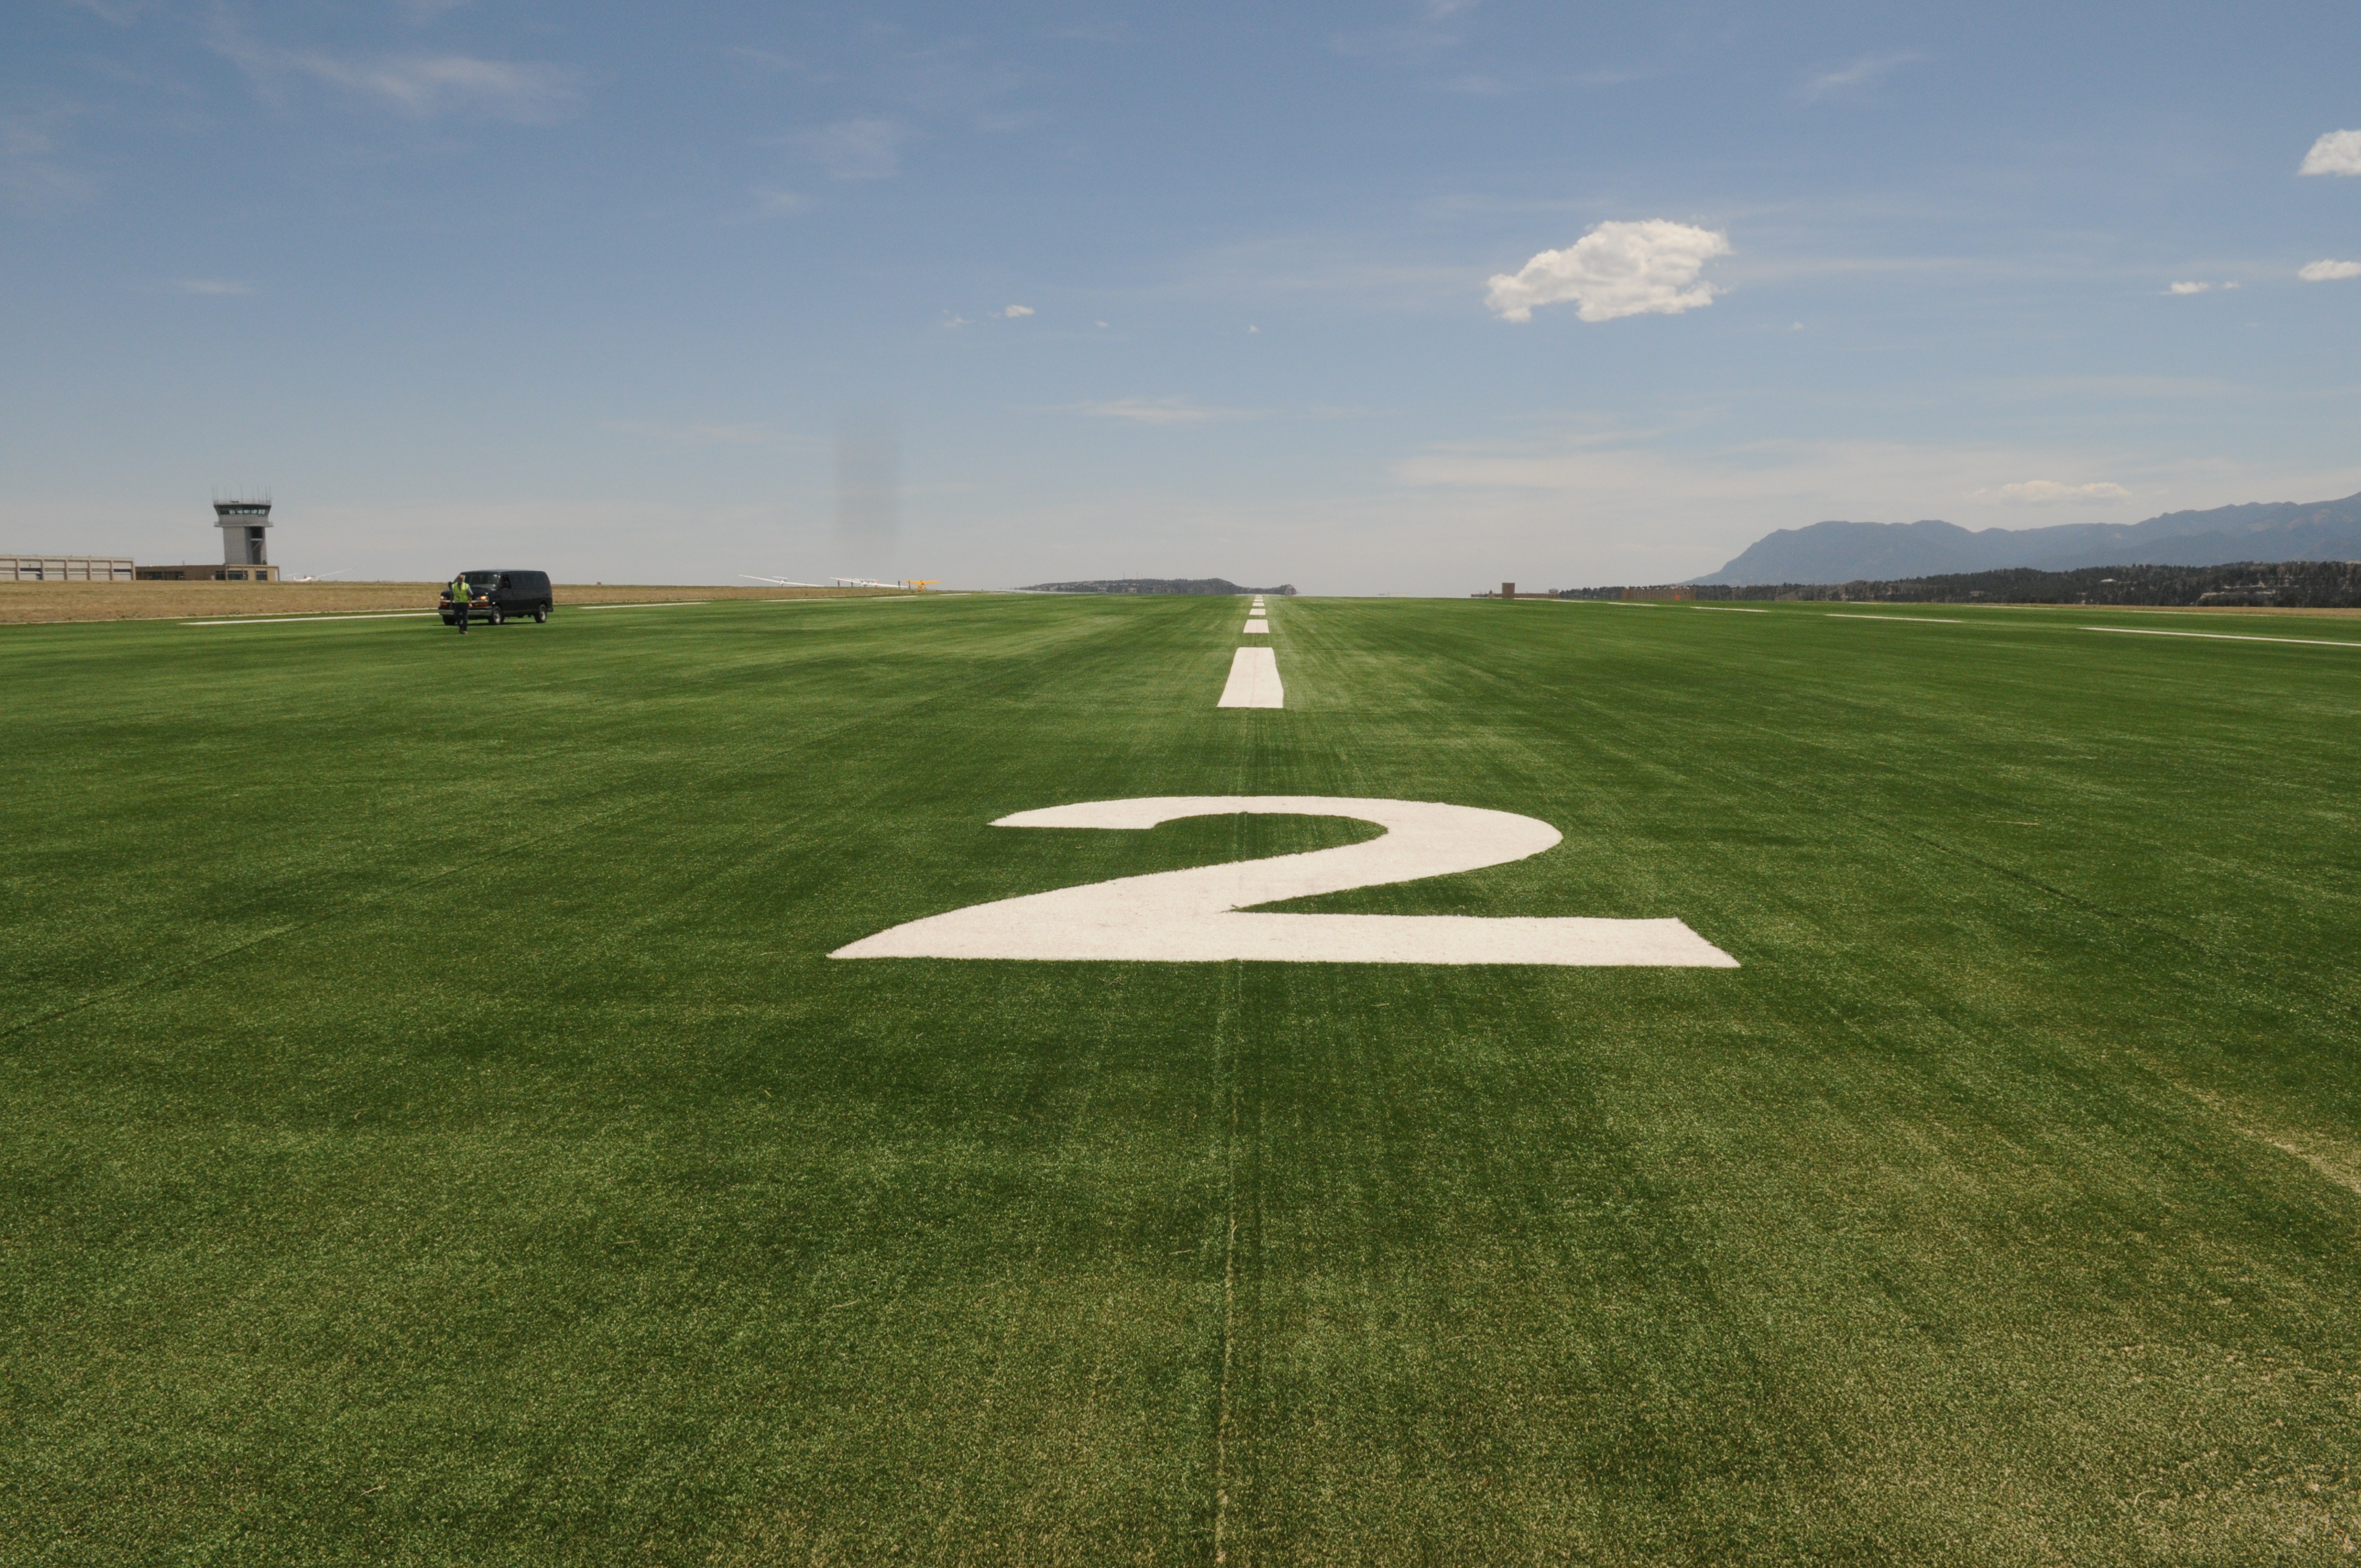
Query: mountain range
1846	551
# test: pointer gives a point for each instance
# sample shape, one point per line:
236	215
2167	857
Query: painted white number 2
1195	916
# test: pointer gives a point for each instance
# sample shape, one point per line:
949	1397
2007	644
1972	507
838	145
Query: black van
495	597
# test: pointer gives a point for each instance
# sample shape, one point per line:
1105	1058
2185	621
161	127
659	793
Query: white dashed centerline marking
1257	625
1254	681
1917	619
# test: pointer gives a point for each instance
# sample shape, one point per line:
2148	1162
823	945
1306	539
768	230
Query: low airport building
66	569
209	572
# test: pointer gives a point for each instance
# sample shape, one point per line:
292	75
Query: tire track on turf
1226	1074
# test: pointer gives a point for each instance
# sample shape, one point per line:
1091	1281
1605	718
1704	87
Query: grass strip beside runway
432	1129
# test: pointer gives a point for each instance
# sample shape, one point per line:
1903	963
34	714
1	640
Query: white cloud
2041	492
2338	152
855	149
2189	287
2328	272
1014	312
1617	270
1859	73
212	286
1160	410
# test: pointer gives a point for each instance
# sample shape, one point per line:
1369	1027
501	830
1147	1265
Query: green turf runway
433	1132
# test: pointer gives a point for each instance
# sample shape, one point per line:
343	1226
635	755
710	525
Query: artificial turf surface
431	1129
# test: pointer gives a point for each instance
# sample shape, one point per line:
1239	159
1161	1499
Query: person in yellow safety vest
460	592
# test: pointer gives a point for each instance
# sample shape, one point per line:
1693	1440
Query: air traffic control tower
242	523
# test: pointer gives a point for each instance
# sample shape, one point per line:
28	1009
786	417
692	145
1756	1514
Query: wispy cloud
1428	29
2043	492
1748	487
1617	270
419	85
1160	411
1861	73
702	434
765	59
867	148
2338	152
2328	272
772	202
2188	288
1015	313
33	171
2088	387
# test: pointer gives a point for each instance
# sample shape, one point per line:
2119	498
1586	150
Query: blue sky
1224	290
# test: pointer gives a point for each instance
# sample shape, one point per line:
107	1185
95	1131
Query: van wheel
541	616
496	617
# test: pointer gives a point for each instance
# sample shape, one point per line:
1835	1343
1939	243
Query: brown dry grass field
25	603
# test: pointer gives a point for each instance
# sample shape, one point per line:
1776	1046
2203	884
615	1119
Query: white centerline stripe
1257	624
1731	608
1919	620
2221	636
1254	681
297	620
643	604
